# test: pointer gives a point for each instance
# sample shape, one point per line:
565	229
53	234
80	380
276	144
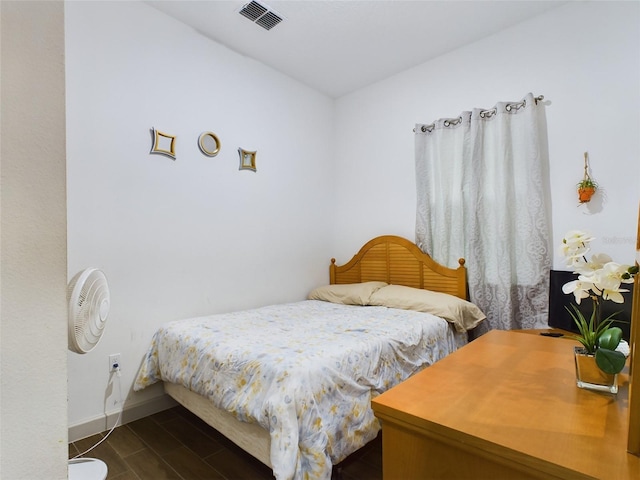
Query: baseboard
130	413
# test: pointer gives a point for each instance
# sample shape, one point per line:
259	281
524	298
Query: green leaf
610	361
587	336
610	338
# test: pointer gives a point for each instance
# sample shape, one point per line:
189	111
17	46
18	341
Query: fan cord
114	425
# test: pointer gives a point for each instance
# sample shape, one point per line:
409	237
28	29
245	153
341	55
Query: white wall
583	57
33	265
195	235
184	237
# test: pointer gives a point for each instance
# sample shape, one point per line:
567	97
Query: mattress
305	372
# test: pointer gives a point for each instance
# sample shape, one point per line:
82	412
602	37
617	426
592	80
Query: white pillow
464	315
347	293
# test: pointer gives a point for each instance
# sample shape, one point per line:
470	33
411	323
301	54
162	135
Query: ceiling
337	47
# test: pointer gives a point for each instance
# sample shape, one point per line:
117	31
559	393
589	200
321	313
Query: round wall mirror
209	144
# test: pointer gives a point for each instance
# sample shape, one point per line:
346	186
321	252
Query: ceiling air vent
261	15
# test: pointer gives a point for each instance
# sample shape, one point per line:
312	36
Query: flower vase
589	375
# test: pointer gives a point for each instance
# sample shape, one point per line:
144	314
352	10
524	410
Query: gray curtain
483	194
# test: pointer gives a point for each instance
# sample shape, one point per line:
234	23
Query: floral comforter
305	371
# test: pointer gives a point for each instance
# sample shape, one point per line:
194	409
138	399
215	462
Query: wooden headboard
398	261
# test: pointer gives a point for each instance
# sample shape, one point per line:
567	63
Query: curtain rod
483	114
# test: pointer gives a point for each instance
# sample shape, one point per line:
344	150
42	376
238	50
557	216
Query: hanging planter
587	186
586	189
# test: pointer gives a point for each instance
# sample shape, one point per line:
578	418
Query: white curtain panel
483	194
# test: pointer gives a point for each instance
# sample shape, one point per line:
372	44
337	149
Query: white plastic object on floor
87	469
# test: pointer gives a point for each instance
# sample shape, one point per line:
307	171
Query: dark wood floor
177	445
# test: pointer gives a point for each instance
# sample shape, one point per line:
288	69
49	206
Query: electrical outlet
114	362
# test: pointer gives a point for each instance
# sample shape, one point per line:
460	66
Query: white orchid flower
608	280
577	237
614	295
570	251
599	276
584	268
574	262
610	275
577	240
575	246
579	289
599	260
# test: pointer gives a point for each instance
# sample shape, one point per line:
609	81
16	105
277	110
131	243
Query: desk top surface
515	394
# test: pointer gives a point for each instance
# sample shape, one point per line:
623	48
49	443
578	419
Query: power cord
117	420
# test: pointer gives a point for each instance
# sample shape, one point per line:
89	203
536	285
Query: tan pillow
346	294
464	315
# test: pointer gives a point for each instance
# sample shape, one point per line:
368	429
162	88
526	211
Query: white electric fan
88	296
89	301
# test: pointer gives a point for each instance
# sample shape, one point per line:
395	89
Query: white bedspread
304	371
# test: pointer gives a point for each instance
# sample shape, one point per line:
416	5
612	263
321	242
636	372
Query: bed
299	399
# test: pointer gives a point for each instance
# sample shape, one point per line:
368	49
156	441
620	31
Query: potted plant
586	188
598	360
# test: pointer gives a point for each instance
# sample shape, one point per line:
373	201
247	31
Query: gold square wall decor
163	144
247	160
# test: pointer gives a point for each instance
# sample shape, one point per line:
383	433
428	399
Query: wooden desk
506	406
